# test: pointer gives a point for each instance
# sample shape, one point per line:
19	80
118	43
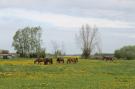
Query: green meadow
87	74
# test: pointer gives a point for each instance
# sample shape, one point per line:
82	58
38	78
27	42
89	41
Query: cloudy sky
60	20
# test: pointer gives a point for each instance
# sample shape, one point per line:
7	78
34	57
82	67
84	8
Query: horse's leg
34	62
75	60
67	61
51	61
106	59
112	59
44	62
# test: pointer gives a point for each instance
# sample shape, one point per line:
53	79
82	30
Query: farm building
5	54
100	56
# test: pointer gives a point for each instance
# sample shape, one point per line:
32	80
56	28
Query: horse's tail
76	59
63	60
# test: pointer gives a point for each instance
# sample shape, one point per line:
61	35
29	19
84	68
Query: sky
60	20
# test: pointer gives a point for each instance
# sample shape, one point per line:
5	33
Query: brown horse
48	61
107	58
60	60
38	60
72	60
44	60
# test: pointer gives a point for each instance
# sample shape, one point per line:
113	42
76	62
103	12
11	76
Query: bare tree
88	40
55	46
63	50
58	50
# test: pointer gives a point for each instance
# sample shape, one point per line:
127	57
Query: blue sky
60	20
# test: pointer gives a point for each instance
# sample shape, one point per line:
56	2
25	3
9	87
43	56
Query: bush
127	52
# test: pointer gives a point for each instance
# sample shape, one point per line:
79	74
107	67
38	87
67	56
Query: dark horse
48	61
44	60
107	58
60	60
38	60
72	60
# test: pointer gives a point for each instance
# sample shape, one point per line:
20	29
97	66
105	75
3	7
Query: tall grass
87	74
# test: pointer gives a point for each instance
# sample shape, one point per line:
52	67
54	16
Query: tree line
28	42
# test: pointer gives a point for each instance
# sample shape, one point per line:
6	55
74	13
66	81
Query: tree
63	50
88	40
27	41
42	53
58	50
126	52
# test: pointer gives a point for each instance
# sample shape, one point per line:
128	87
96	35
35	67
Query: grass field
87	74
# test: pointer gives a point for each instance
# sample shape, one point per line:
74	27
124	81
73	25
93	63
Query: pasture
87	74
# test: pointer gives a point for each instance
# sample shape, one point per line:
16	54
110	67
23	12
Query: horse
107	58
38	60
72	60
60	59
48	61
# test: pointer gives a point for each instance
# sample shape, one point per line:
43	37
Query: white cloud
111	9
61	20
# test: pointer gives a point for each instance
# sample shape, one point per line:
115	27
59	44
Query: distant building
100	56
5	54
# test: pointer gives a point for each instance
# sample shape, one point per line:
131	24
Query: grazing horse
38	60
107	58
60	59
48	61
72	60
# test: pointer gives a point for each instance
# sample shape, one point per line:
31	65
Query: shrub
127	52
